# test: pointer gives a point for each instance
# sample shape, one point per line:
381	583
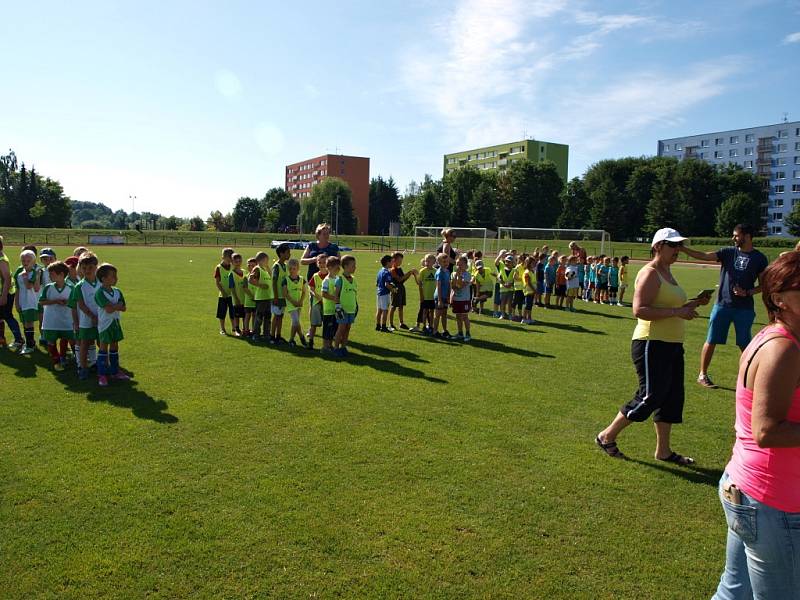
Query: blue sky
189	105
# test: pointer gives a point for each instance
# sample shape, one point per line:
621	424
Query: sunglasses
674	244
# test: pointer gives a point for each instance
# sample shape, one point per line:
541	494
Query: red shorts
461	307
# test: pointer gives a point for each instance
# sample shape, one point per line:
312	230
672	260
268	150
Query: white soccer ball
571	274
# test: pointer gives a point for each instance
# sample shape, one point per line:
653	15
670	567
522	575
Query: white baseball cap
667	234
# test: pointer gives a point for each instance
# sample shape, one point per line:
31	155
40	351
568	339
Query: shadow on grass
496	347
500	324
692	473
379	364
26	366
386	352
122	394
570	327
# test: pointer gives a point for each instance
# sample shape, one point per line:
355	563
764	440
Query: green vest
264	278
294	290
238	285
505	279
317	287
348	296
225	280
281	275
329	306
12	285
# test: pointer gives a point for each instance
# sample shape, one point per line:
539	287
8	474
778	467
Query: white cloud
792	38
269	138
227	83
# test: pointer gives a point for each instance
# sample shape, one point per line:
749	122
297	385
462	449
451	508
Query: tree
219	222
321	205
279	209
533	194
481	209
423	205
384	204
792	220
738	208
247	214
575	206
29	200
197	224
459	187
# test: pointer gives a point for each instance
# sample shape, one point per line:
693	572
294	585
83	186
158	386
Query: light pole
133	203
337	216
331	211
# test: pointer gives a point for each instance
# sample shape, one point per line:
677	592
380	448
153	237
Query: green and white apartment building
500	157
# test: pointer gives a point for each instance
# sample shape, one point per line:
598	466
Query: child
260	282
346	304
613	281
283	251
441	296
84	317
540	279
8	291
462	288
550	279
573	270
561	281
72	264
590	278
57	316
529	288
506	278
223	279
602	279
47	257
399	293
77	252
426	282
294	292
384	286
249	299
315	293
110	305
623	278
579	266
484	285
237	292
519	288
28	284
329	300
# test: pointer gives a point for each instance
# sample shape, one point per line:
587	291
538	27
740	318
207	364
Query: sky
187	106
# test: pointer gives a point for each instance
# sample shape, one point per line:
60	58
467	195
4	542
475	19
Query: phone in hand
704	294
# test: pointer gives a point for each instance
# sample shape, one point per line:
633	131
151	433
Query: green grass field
417	468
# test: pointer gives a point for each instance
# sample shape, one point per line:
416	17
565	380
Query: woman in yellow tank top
661	308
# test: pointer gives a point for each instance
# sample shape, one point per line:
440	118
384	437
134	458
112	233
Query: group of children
74	302
256	297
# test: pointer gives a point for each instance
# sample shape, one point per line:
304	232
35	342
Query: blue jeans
762	559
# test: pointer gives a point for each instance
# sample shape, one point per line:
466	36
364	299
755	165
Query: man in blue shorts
740	267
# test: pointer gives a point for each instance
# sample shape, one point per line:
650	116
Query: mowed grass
417	468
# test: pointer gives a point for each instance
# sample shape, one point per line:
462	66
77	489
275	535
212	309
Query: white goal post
428	239
526	239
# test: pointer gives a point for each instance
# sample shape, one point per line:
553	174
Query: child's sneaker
377	327
303	341
292	344
437	335
26	350
446	335
344	351
458	336
58	366
338	353
391	328
385	329
15	346
102	381
414	329
467	338
83	374
121	376
404	326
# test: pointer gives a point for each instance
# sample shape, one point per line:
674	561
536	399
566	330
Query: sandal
609	448
678	459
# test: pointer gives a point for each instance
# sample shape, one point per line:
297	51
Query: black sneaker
446	335
292	343
303	342
385	329
403	326
377	327
706	382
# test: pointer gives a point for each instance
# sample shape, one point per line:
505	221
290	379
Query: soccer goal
428	239
527	239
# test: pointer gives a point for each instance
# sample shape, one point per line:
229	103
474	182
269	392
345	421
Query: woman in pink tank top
760	489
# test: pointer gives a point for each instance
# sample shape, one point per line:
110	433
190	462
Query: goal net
527	239
428	239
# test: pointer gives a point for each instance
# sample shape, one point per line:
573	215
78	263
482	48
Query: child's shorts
383	302
561	291
540	287
88	333
428	305
51	336
315	314
399	297
549	288
519	299
328	327
224	307
249	310
29	316
602	286
238	311
623	286
612	290
295	315
572	292
112	334
529	302
461	307
497	293
347	319
277	311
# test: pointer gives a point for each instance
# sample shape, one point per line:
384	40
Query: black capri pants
225	307
659	366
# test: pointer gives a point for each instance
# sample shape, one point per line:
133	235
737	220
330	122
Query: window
325	162
451	161
777	216
777	230
796	187
796	174
779	189
678	147
733	152
748	151
782	147
482	155
780	174
782	133
778	202
702	155
797	160
704	143
718	141
797	131
748	164
734	139
666	148
717	154
781	162
797	145
750	137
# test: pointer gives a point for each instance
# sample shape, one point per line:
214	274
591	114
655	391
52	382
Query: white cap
667	234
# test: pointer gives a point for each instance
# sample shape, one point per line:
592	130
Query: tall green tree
321	205
459	187
481	209
279	209
29	200
575	206
384	204
247	214
738	208
792	220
